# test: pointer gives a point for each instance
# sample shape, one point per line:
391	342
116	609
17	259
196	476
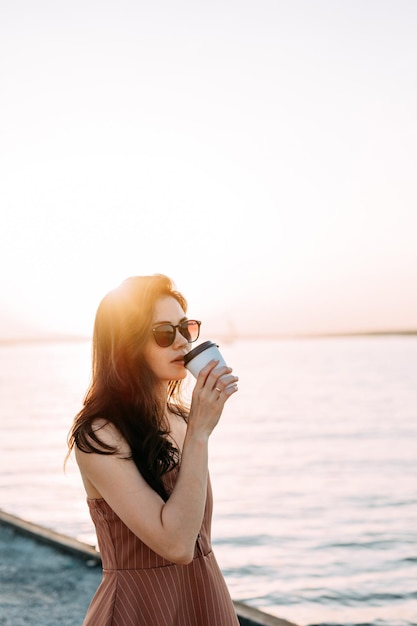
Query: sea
313	465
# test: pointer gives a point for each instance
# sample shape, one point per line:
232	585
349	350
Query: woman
143	458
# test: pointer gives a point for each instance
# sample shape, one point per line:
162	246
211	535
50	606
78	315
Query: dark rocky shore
47	579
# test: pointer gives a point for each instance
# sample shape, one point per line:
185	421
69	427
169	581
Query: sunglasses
164	334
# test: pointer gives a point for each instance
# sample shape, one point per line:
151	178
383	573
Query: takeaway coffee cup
195	360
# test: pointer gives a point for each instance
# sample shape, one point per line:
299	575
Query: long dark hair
123	389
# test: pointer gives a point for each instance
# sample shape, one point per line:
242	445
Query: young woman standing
143	457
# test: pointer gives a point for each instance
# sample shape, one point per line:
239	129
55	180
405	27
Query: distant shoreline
43	339
365	333
4	341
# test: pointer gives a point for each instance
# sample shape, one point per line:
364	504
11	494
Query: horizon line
59	338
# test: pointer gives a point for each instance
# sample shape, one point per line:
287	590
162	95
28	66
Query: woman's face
167	363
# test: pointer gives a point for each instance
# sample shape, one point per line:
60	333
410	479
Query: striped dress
140	588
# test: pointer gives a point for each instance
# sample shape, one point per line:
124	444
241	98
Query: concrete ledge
48	536
249	616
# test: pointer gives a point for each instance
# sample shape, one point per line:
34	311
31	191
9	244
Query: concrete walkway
40	586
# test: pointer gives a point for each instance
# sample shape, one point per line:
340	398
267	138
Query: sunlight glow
268	167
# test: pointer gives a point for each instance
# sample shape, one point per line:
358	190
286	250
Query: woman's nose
179	338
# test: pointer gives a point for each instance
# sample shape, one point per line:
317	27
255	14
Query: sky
262	154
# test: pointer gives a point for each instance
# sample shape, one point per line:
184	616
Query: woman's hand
213	387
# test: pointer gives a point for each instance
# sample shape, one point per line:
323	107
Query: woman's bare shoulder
102	462
109	436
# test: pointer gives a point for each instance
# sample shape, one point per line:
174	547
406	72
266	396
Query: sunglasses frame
182	326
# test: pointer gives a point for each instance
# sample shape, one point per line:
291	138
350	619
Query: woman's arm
169	528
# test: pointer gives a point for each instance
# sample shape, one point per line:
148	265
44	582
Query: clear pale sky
262	154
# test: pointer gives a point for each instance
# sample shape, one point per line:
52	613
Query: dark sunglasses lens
190	330
164	335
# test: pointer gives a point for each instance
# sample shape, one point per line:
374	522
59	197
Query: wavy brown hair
123	389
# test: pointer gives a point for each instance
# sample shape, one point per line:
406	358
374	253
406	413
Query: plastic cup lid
198	350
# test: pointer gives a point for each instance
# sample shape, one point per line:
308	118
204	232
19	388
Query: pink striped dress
140	588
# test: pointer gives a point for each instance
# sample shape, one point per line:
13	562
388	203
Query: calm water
314	468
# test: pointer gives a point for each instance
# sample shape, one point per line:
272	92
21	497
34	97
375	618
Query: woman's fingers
224	394
224	381
225	386
215	384
211	373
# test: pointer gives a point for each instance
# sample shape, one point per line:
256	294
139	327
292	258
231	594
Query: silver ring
217	389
